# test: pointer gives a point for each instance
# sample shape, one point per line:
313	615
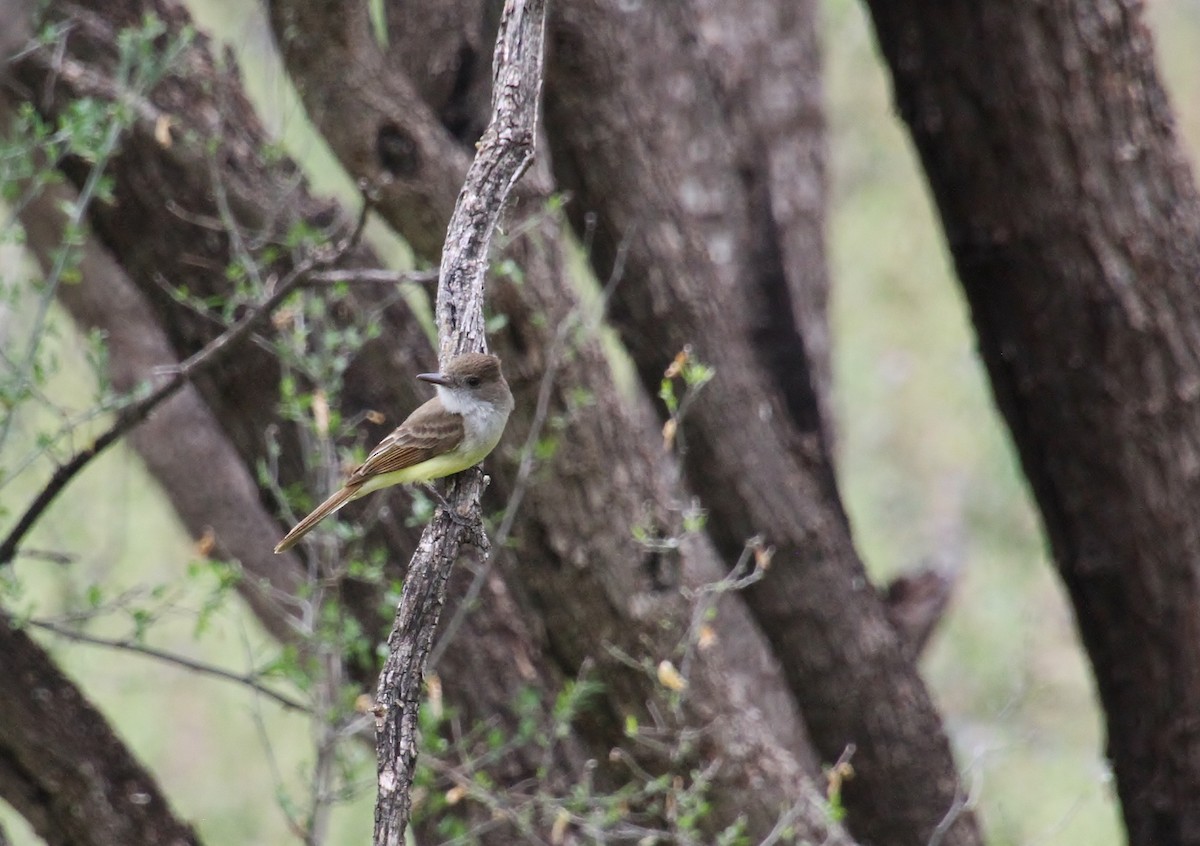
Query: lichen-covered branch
504	153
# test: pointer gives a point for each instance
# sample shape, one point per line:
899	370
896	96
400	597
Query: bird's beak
435	378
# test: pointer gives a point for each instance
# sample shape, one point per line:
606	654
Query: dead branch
504	154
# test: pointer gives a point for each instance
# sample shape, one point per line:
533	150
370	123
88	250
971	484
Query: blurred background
927	473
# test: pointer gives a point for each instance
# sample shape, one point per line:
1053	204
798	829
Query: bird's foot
450	510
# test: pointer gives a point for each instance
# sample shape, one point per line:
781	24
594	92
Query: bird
448	434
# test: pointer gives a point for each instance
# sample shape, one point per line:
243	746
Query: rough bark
646	137
579	566
223	432
398	700
609	472
503	155
763	63
1074	223
61	765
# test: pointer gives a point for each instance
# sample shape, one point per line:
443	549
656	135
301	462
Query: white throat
483	422
459	402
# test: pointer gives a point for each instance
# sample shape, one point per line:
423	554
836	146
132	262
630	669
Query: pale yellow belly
433	468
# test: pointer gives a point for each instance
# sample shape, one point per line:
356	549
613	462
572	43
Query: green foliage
456	792
287	664
89	133
495	323
509	269
896	361
88	130
574	699
217	581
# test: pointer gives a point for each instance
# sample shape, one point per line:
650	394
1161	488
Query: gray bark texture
577	589
1074	222
503	156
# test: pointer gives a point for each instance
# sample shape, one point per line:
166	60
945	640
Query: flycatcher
446	435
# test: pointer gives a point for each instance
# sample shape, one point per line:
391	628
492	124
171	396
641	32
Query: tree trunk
1075	227
221	426
577	558
652	142
609	473
61	766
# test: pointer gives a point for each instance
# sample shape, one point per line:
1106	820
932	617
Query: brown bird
449	433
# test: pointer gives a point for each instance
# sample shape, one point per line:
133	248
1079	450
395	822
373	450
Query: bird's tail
318	514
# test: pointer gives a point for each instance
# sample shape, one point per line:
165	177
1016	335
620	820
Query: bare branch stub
504	153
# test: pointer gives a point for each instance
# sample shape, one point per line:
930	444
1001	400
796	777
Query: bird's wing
428	432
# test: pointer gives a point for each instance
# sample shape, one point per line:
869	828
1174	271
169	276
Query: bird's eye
472	381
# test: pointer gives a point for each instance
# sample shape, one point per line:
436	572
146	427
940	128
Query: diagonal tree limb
576	557
215	352
757	455
504	154
61	765
1071	211
219	424
182	434
612	473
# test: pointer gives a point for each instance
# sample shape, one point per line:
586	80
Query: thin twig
66	432
237	244
132	80
321	794
48	555
125	645
268	749
371	275
963	803
746	571
215	352
492	800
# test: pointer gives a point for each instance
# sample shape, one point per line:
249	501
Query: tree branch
215	352
371	275
504	154
247	679
736	701
1078	256
61	765
611	91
